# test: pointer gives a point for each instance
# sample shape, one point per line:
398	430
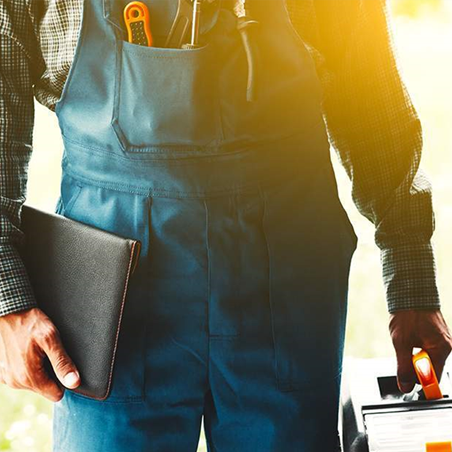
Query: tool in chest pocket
189	24
247	26
196	23
188	17
136	18
178	35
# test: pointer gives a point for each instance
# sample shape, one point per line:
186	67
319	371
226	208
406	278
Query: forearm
16	125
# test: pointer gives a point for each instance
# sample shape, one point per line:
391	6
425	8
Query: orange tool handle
427	376
137	19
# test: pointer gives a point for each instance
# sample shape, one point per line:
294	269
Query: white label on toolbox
408	431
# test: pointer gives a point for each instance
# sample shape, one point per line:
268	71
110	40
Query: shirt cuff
16	293
409	276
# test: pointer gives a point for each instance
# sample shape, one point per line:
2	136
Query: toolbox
376	417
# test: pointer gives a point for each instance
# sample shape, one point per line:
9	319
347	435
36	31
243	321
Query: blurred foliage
416	8
25	421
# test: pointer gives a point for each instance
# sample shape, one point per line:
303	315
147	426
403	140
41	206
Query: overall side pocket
69	193
339	208
309	260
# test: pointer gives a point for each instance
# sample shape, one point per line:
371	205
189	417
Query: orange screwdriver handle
137	19
427	376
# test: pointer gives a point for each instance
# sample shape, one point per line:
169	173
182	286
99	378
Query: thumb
406	375
62	365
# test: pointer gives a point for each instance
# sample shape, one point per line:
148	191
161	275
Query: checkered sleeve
16	126
376	132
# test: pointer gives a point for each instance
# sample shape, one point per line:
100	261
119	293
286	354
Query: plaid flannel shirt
370	118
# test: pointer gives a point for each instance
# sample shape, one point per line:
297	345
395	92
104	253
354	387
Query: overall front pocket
166	98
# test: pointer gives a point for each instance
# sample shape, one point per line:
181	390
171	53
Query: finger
406	375
62	364
438	359
47	387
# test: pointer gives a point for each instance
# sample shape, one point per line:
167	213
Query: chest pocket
191	100
164	98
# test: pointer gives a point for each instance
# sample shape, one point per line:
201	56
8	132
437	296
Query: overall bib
236	312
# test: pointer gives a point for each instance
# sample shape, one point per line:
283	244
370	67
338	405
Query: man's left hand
425	329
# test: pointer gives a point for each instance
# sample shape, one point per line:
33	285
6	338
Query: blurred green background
423	34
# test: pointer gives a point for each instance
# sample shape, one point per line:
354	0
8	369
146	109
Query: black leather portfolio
80	277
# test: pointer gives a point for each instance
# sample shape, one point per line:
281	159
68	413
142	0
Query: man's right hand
26	338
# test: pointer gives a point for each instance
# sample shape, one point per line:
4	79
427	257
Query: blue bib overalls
237	309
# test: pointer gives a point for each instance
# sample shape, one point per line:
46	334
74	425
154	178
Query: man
238	310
